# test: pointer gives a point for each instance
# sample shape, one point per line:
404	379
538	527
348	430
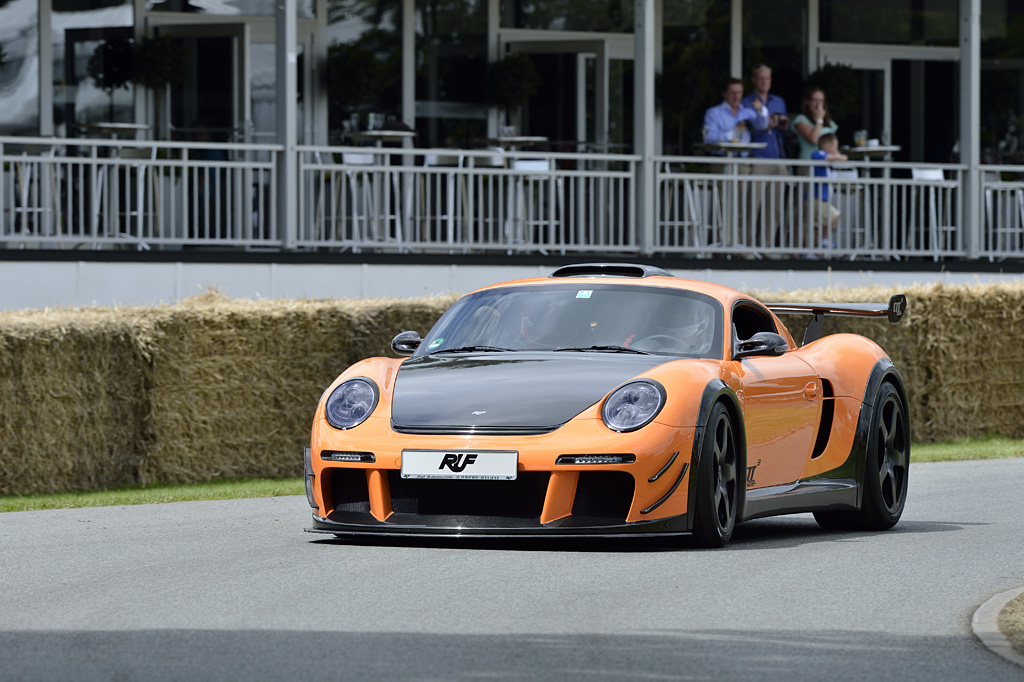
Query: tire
886	465
718	481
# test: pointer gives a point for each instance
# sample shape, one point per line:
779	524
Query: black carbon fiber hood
532	391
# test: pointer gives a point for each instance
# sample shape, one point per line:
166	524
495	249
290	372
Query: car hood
507	391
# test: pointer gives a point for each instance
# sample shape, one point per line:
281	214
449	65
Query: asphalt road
235	590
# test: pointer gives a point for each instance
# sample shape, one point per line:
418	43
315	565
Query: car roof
727	295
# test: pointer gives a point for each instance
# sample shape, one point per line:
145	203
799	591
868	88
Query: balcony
110	194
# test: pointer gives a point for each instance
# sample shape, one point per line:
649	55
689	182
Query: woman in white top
812	123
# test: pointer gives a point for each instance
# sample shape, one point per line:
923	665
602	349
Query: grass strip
214	490
992	447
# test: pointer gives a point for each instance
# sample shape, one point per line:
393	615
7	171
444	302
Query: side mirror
406	343
761	343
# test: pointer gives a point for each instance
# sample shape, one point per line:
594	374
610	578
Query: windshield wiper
473	349
605	349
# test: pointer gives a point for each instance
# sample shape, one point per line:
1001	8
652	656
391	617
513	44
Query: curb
985	624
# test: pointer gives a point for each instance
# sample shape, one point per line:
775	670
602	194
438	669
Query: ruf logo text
457	463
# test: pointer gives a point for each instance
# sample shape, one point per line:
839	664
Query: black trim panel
682	474
803	496
665	468
357	524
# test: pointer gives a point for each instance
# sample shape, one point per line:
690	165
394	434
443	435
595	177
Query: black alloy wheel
886	465
718	484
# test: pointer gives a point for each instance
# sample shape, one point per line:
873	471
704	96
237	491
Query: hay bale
958	350
221	388
74	410
235	381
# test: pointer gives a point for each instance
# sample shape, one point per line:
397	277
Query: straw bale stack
235	382
221	388
73	408
960	349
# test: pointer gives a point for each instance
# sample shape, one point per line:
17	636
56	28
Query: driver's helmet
688	321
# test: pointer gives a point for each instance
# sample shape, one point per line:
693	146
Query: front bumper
647	493
408	525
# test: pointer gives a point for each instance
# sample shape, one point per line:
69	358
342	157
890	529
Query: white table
379	137
514	142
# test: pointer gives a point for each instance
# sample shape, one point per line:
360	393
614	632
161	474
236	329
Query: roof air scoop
610	270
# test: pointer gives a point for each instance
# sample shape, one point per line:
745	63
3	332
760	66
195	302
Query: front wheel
886	465
718	483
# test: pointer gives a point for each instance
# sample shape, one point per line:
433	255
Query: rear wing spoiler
893	310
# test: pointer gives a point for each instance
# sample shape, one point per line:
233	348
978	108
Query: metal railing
98	194
465	200
84	193
1002	199
873	210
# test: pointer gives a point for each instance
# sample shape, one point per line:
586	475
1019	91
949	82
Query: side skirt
803	496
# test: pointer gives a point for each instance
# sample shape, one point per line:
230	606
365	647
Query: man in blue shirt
778	114
773	137
731	121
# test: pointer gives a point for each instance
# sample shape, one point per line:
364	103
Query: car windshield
594	318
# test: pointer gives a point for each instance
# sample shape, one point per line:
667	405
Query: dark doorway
552	111
924	109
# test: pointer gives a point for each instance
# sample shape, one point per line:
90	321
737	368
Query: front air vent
610	270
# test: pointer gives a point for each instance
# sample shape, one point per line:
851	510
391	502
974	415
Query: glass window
364	65
451	65
19	74
695	65
89	64
252	8
894	22
608	16
592	317
774	36
1002	81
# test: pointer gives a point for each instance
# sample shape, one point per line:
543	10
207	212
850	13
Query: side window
748	320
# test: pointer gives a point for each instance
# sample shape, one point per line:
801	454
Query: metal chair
537	204
937	200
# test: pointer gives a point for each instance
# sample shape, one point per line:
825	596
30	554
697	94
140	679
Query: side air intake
610	270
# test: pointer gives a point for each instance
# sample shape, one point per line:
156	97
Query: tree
511	82
158	62
111	65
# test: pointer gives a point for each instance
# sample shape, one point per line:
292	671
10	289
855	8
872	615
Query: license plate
484	465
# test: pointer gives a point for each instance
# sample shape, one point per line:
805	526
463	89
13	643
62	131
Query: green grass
991	447
215	490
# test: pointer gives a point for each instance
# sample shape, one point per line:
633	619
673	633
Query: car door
781	398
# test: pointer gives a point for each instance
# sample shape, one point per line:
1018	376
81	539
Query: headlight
633	406
351	403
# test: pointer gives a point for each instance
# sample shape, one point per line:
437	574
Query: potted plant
511	82
111	66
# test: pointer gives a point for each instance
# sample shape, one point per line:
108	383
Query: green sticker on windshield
435	343
584	293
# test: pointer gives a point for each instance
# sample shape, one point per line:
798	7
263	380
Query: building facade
594	86
425	64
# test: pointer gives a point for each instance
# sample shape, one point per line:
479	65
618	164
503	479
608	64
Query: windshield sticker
584	293
435	343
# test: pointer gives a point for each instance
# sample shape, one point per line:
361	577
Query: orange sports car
613	400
